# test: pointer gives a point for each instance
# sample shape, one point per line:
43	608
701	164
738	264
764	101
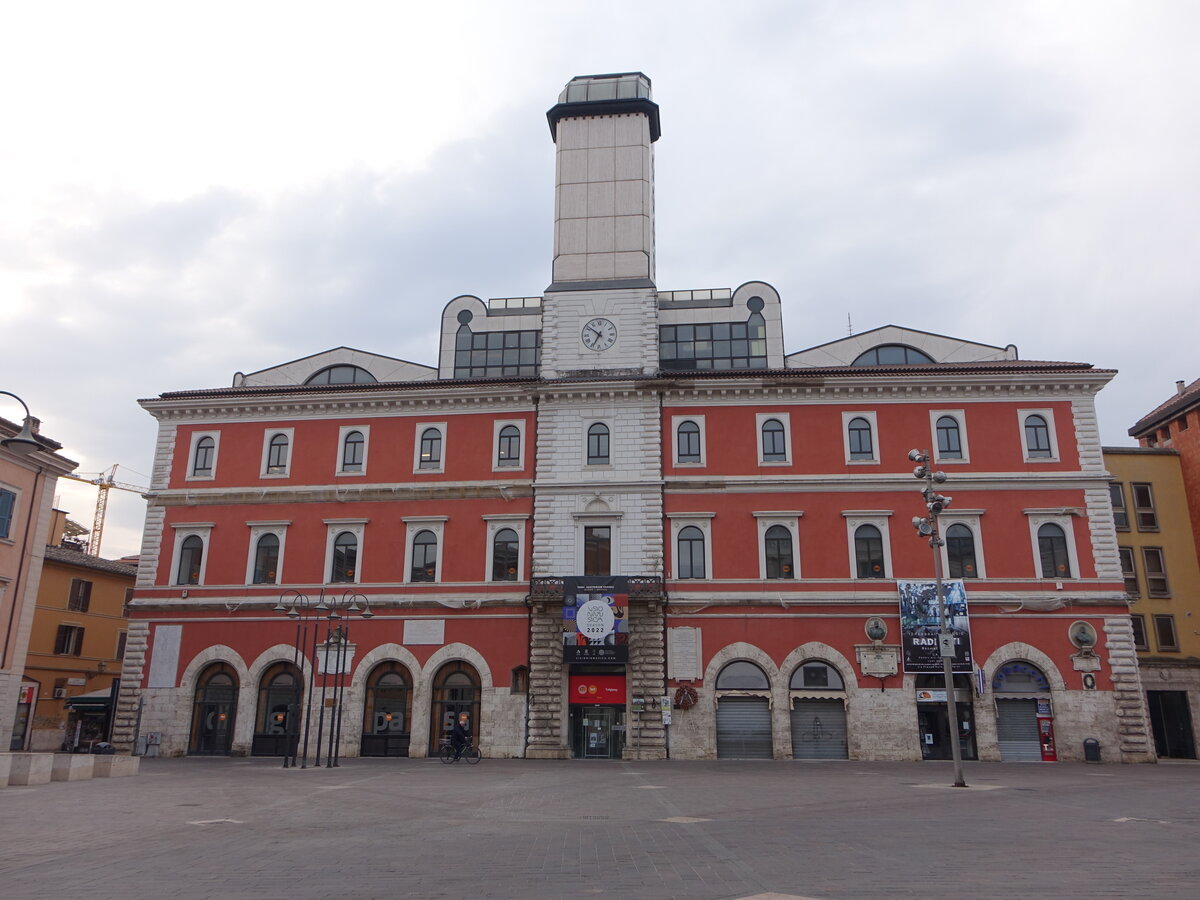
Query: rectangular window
8	501
1139	632
1143	507
122	638
1164	633
81	595
1116	493
1129	572
69	640
1156	572
597	550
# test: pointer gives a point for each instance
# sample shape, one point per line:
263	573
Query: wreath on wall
685	696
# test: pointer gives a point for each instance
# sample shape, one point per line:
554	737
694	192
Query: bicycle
470	753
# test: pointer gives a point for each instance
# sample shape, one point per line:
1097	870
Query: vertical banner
920	624
596	619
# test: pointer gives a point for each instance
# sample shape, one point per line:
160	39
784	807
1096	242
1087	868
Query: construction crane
105	482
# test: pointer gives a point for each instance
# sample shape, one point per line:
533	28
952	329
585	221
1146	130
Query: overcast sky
190	190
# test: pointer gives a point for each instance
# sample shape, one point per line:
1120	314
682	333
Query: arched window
505	546
431	449
191	555
1052	546
1037	436
277	721
266	560
214	711
815	674
868	552
687	442
206	449
774	442
1020	677
691	552
345	558
597	444
949	438
277	455
353	447
424	556
342	374
456	689
892	355
742	675
778	547
960	552
508	450
387	712
859	432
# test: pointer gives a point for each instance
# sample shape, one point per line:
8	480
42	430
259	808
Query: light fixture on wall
24	442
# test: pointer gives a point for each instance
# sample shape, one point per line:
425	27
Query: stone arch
248	692
186	694
824	653
423	689
356	691
741	650
1018	650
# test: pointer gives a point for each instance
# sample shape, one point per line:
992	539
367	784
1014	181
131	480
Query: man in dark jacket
460	735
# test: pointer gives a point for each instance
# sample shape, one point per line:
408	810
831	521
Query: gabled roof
940	348
1183	400
298	371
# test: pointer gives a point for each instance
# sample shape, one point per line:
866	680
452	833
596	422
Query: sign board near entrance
596	619
920	626
593	689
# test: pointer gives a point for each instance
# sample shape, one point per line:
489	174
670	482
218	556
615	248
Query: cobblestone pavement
235	828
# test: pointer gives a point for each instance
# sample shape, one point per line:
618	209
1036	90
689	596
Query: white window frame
969	518
680	521
191	457
869	415
960	416
344	430
422	427
610	520
415	524
1038	518
498	426
785	419
676	421
879	518
588	423
334	527
269	435
184	530
1048	415
494	525
789	519
257	530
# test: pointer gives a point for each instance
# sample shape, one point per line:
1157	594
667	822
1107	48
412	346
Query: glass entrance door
597	732
934	731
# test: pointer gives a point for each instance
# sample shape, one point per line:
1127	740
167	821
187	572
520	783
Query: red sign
597	689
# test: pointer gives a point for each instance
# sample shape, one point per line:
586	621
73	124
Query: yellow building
1162	577
76	646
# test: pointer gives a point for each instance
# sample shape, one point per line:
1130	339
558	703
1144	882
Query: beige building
1162	577
76	647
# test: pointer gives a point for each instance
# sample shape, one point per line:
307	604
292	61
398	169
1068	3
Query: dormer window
342	374
893	355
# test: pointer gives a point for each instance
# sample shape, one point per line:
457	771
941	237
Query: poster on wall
920	624
596	619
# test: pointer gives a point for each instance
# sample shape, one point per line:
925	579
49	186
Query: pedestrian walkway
235	828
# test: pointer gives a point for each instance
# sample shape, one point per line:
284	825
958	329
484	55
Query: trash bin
1091	750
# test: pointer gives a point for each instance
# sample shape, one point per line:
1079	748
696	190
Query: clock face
599	334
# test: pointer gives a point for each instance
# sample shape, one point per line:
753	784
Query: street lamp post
308	614
24	441
927	526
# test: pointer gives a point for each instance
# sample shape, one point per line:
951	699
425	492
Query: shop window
1129	572
868	552
1116	493
456	690
387	712
80	596
214	711
1052	546
277	719
1155	566
69	640
1164	632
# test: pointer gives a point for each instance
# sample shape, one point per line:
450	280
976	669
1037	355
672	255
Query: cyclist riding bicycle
460	735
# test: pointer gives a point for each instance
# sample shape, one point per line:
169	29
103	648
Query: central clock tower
599	314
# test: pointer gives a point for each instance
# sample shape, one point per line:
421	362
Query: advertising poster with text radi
596	620
920	624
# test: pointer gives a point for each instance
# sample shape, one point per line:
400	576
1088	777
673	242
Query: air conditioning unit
60	693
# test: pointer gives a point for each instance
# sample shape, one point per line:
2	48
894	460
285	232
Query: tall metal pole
947	650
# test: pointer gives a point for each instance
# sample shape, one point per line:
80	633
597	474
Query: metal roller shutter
744	728
819	730
1017	730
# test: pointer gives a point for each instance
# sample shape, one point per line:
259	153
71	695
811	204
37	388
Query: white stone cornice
960	481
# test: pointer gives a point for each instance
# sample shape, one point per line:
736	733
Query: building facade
76	647
614	521
27	482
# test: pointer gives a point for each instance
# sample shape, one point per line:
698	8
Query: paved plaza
234	828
